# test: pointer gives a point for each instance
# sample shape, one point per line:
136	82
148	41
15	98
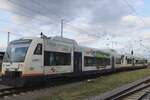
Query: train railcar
31	60
95	59
138	61
129	60
124	60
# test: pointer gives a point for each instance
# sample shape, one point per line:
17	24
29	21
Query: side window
107	61
89	61
38	50
118	60
93	61
56	58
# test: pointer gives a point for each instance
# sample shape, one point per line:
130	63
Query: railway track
5	92
146	96
138	93
134	92
10	91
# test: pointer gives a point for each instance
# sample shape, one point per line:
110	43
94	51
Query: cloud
87	21
147	35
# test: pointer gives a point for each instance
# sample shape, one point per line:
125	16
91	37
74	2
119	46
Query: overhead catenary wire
39	12
31	28
34	10
70	25
82	31
134	10
77	28
26	15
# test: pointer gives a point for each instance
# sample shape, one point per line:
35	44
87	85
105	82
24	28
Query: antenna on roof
43	36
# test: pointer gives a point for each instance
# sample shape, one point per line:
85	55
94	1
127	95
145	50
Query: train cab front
11	74
14	61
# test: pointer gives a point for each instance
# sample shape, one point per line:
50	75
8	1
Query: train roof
94	49
32	38
111	52
73	42
139	58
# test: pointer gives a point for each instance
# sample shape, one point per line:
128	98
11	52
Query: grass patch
96	86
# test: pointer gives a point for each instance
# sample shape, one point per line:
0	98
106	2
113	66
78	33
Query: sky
122	25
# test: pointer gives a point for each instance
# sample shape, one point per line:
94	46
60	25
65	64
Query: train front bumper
12	78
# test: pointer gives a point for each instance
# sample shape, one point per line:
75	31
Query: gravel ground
38	93
78	88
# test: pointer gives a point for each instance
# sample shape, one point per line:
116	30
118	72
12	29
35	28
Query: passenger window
38	50
56	58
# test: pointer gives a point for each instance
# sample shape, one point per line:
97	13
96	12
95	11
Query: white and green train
39	59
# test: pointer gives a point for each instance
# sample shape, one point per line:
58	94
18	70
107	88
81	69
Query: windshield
16	51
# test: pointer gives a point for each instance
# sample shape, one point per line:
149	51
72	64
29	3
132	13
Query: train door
37	60
113	62
77	62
